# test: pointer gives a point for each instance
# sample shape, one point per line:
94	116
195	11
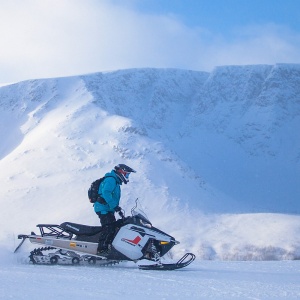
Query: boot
104	247
105	241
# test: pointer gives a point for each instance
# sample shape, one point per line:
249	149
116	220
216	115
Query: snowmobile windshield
141	216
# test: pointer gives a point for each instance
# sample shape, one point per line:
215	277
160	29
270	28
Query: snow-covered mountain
217	154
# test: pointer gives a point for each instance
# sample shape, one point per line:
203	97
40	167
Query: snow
201	280
217	160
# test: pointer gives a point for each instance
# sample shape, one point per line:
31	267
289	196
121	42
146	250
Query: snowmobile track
44	256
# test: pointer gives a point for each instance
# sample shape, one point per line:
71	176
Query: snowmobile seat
79	229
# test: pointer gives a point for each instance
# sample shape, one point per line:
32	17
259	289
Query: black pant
108	223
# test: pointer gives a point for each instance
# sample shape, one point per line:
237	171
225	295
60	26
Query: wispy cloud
263	44
52	38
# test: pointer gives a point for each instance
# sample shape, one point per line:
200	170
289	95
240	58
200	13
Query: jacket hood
113	174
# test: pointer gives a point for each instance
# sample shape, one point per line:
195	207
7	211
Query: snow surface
218	160
201	280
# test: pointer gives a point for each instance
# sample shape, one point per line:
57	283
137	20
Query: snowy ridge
217	154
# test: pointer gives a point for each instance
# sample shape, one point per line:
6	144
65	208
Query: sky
56	38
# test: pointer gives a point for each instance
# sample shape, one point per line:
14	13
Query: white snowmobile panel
67	244
129	242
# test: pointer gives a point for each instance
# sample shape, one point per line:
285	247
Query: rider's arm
110	192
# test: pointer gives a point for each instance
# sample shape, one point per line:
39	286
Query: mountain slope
225	142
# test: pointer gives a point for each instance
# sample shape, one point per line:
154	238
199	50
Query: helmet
123	172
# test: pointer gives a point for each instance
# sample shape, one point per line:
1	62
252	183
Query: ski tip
184	261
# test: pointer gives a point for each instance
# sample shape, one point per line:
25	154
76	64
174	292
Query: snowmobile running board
184	261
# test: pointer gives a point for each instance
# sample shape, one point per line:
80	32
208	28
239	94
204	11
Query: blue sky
223	16
53	38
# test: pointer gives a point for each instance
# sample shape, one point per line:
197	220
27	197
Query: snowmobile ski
182	262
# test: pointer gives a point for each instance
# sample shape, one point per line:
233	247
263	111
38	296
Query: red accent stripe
135	240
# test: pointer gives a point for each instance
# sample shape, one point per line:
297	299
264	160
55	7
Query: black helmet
123	172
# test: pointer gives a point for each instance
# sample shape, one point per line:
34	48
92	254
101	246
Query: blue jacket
110	190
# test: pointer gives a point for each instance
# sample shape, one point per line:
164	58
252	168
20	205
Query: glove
121	214
118	209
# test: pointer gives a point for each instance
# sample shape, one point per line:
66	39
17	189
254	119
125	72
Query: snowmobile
135	239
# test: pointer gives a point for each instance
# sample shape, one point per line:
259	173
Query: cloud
53	38
264	44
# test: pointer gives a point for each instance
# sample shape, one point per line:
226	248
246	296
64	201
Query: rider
110	194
